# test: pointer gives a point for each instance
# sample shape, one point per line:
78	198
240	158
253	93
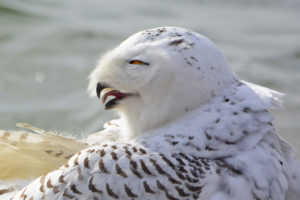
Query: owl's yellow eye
138	62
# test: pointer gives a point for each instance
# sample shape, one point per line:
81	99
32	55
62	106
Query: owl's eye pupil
137	62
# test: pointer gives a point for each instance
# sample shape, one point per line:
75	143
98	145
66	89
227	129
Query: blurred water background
49	47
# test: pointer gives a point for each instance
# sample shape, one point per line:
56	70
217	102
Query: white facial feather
185	71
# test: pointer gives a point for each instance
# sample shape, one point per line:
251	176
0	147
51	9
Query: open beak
104	91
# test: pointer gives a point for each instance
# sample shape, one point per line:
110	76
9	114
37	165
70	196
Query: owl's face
163	72
129	74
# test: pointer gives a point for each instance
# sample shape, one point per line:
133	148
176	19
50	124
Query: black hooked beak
99	88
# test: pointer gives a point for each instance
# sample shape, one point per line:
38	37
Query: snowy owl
188	129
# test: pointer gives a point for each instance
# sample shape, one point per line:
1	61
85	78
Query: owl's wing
129	171
29	154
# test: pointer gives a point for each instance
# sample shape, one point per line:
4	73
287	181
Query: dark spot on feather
240	83
147	188
144	168
74	189
157	167
270	123
160	186
173	180
229	142
120	171
128	152
193	188
191	180
42	179
110	192
191	137
185	157
143	151
176	42
207	136
167	161
221	163
42	183
92	187
134	149
66	165
180	161
195	196
133	163
102	166
189	63
246	110
61	179
170	197
135	172
193	58
49	184
181	169
76	161
102	152
208	148
181	176
86	163
281	163
129	192
114	156
23	195
181	192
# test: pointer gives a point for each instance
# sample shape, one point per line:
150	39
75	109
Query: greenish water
48	48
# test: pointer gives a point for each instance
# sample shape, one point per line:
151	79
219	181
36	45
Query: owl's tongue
111	92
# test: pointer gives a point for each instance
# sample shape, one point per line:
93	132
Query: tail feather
29	154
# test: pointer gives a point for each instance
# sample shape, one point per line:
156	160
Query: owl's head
157	75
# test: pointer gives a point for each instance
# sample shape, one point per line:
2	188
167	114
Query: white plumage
188	129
